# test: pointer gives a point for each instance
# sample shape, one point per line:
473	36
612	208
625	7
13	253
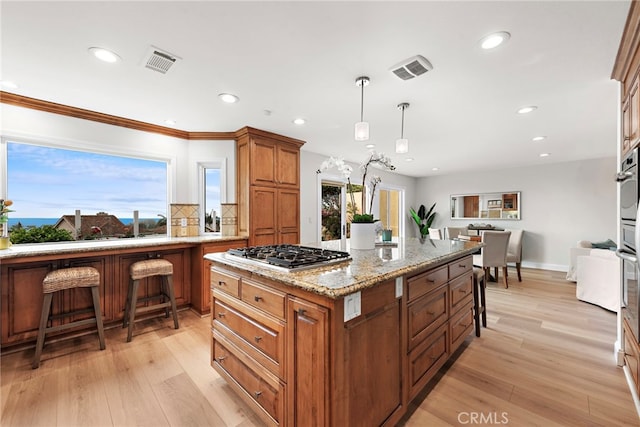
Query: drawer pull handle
258	339
221	283
221	359
257	298
462	266
431	280
462	291
431	313
302	312
257	394
222	314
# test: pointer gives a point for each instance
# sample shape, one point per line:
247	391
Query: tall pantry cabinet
268	187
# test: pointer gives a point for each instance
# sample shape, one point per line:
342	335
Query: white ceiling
301	59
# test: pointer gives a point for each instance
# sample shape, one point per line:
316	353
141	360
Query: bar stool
479	307
140	270
59	280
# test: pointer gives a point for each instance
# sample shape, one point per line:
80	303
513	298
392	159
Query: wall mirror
486	206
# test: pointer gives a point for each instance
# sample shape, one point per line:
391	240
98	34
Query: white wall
24	124
310	191
561	203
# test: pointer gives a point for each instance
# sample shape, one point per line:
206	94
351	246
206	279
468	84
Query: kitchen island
24	266
344	344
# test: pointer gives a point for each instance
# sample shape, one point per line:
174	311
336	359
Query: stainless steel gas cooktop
289	257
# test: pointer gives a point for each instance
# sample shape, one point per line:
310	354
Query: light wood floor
545	359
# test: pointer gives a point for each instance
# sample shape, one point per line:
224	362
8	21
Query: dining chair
514	252
494	253
435	234
453	232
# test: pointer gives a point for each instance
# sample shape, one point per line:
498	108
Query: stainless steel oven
628	178
630	294
628	236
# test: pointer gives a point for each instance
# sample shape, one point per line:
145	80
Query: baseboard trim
545	266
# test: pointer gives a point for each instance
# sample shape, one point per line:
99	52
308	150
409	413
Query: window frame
88	147
216	163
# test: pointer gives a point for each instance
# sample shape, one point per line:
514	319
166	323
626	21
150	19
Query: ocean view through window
58	187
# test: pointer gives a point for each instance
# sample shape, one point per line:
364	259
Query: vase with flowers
363	230
4	222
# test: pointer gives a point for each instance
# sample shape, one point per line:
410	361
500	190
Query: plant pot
363	235
4	243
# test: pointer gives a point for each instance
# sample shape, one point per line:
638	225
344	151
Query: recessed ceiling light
299	121
104	54
8	84
545	154
409	159
435	169
494	40
538	138
527	109
170	122
370	146
228	98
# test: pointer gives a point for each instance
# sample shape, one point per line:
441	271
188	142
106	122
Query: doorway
333	224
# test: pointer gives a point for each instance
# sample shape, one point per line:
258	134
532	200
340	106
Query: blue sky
50	182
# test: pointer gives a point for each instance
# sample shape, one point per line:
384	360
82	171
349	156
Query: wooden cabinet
280	345
201	272
510	201
631	354
268	187
307	373
21	284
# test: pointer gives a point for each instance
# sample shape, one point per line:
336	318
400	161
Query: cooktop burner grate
290	256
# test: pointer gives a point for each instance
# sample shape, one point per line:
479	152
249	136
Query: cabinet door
626	126
263	162
634	113
307	375
288	166
263	211
288	216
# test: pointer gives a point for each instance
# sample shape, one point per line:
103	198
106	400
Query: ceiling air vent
159	60
412	67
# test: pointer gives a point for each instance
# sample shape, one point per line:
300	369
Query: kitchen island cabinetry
268	187
334	356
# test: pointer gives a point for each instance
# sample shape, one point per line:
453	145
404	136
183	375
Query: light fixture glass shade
402	145
362	131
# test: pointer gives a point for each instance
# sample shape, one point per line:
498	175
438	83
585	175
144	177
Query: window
212	194
48	185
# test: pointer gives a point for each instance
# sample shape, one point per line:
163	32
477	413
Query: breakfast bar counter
24	266
350	343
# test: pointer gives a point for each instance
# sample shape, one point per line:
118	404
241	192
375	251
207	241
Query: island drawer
423	283
460	266
268	300
426	314
460	326
260	336
258	388
460	292
225	281
426	359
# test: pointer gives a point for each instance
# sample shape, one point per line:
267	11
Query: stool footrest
153	307
70	325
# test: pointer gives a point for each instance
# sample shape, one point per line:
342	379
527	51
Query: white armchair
598	278
583	247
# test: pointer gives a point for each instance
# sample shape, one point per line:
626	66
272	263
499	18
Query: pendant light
362	127
402	144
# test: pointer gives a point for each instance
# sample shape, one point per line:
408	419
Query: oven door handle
627	256
623	176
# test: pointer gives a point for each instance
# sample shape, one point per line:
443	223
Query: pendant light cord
362	101
402	125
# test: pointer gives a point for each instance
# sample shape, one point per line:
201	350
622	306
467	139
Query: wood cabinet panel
268	187
426	359
460	292
464	265
427	314
264	391
426	282
263	298
373	344
460	325
307	363
631	353
225	281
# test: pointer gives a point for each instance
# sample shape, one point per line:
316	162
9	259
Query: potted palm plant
423	219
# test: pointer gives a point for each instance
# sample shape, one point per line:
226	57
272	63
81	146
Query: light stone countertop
43	249
367	267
